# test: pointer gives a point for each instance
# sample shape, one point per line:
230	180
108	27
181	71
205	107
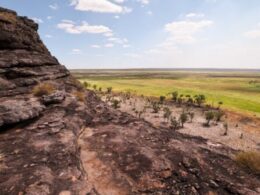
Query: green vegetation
235	91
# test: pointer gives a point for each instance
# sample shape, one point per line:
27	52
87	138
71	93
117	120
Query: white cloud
253	34
49	17
96	46
117	40
195	15
102	6
116	17
37	20
71	27
54	6
48	36
145	2
183	31
109	45
76	51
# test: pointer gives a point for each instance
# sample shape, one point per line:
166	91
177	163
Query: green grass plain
238	90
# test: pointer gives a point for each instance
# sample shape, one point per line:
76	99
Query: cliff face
56	138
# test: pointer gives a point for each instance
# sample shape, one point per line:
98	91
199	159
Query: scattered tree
200	99
226	128
183	119
109	89
174	124
209	116
218	115
175	96
115	103
191	115
220	104
162	99
95	87
167	114
156	107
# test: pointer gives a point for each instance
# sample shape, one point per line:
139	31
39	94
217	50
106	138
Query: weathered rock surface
55	144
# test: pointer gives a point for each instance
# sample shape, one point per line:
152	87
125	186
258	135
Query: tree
115	103
109	89
191	114
226	128
86	84
220	104
100	89
167	113
162	99
209	116
200	99
95	87
175	96
218	115
156	107
183	119
174	124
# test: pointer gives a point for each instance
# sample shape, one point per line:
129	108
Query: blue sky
148	33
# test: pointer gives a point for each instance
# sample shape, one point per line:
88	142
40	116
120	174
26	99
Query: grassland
238	90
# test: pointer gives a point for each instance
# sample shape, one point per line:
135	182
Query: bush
162	99
183	119
175	96
209	116
43	89
218	115
200	99
167	113
109	89
249	160
174	124
80	95
116	104
191	115
86	84
156	107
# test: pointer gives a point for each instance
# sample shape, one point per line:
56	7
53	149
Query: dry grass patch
43	89
250	160
80	95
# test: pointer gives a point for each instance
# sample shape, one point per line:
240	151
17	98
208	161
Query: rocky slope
70	142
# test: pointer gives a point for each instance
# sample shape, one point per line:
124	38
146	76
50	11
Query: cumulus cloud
183	31
37	20
194	15
101	6
70	27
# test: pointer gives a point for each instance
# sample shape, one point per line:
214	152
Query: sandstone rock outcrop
55	143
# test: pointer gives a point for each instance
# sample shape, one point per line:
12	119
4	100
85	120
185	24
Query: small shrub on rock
80	95
250	160
43	89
